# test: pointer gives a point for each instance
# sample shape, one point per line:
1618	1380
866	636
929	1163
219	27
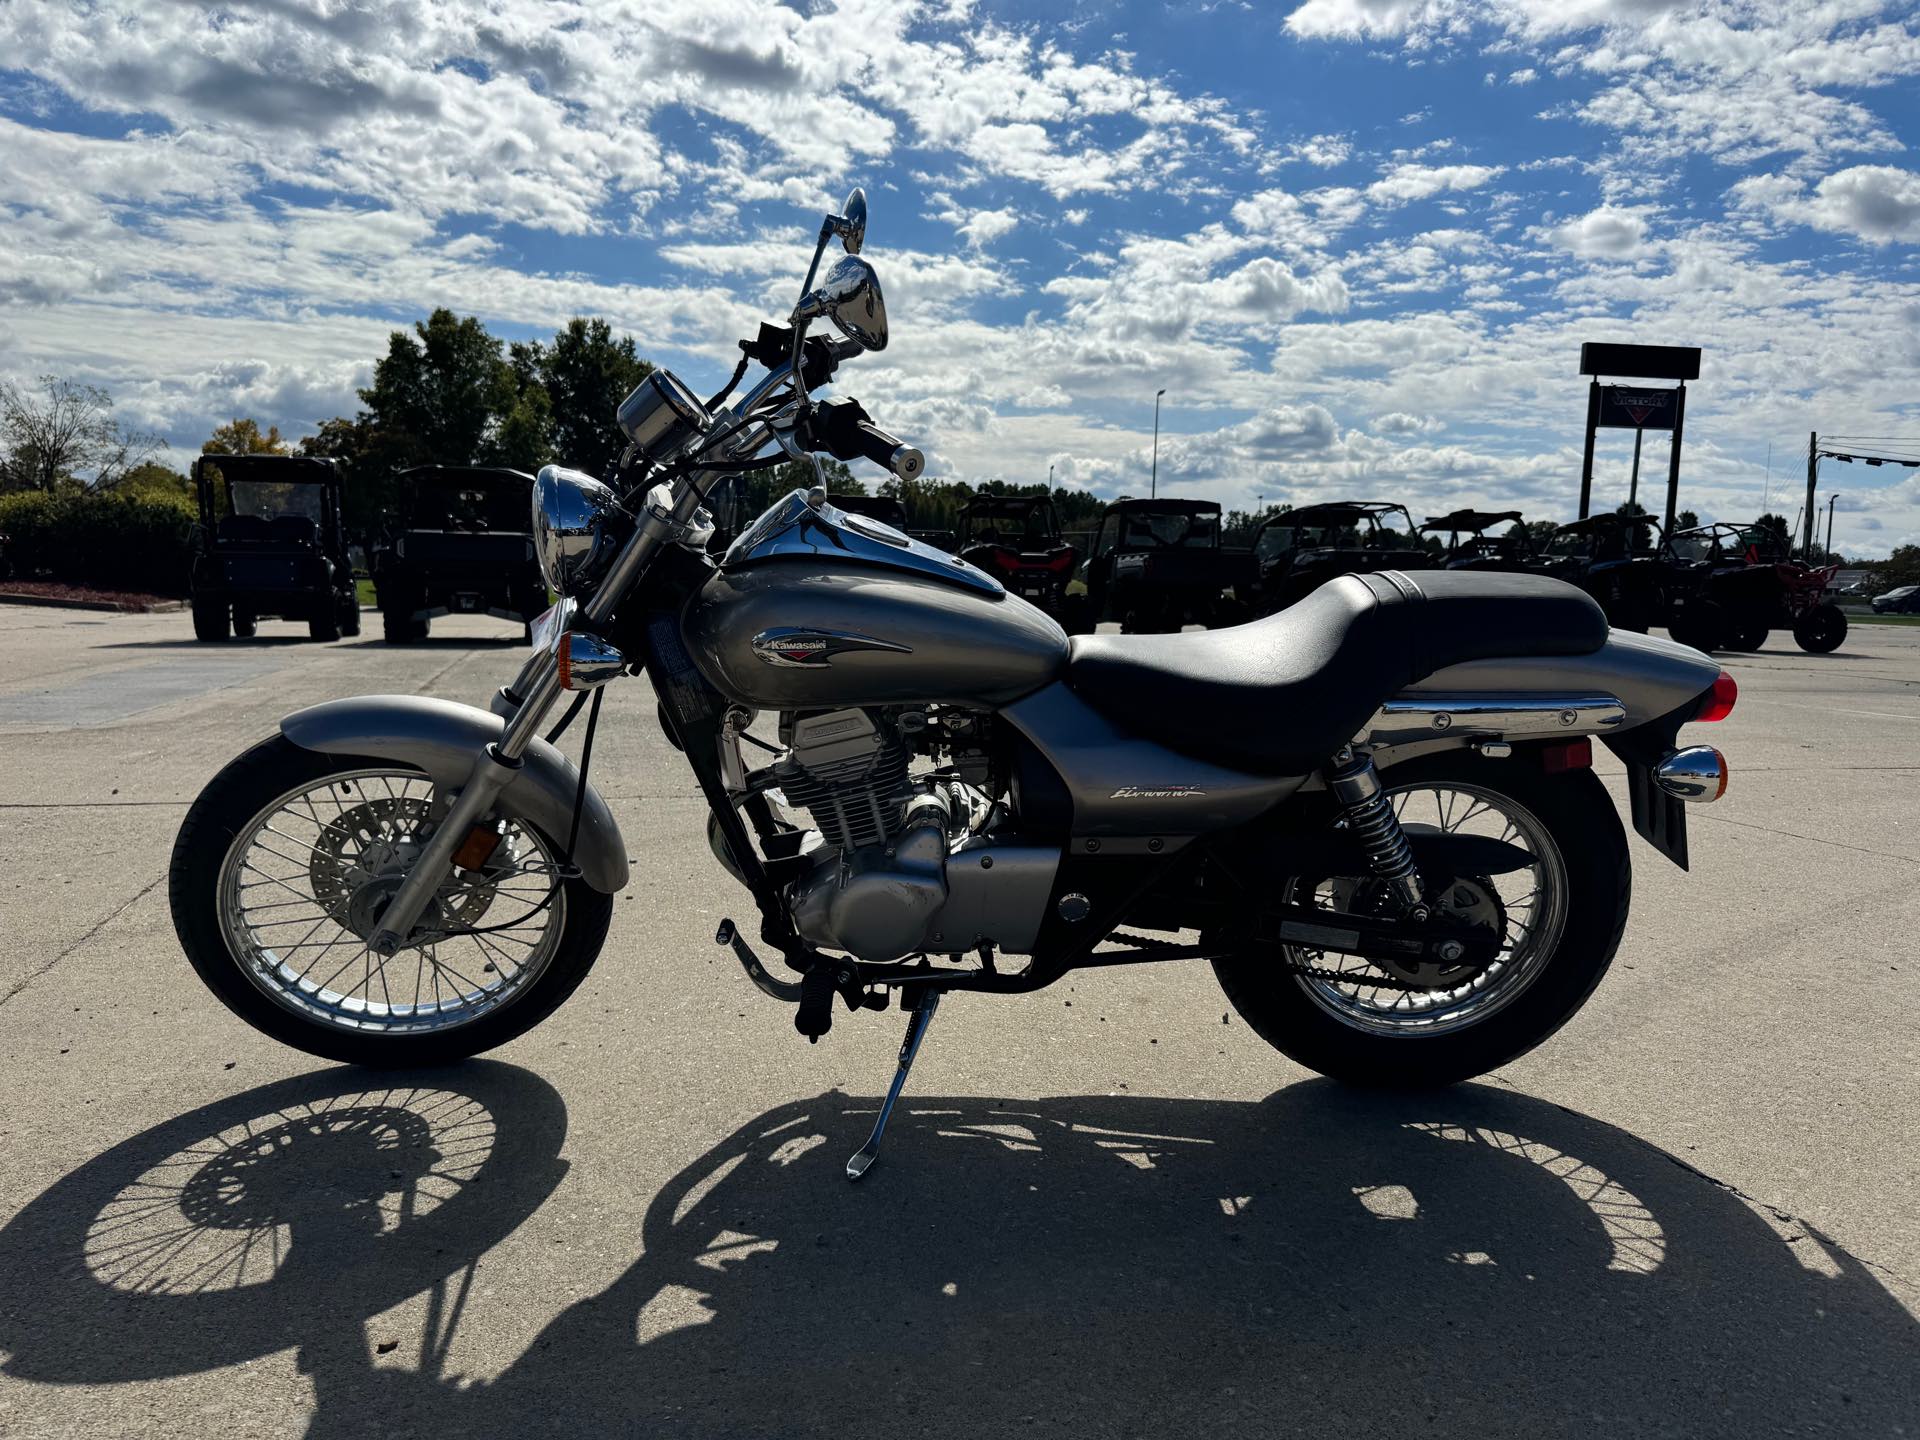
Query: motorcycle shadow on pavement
1323	1262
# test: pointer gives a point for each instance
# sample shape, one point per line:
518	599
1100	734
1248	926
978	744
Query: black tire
1580	817
232	799
324	624
1702	625
244	624
1076	615
398	627
1822	630
210	618
350	617
1747	636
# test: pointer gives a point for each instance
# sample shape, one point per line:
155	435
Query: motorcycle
1373	813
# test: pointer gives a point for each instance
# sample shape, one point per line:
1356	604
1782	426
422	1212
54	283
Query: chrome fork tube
537	687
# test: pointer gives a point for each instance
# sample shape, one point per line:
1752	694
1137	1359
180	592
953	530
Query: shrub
111	542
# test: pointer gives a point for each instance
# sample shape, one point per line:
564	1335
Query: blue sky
1358	241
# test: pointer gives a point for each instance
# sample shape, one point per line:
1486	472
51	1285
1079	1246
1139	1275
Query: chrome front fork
530	698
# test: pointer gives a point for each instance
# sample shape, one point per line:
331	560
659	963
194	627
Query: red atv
1017	540
1728	585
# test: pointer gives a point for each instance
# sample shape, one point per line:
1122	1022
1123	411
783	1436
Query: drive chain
1296	967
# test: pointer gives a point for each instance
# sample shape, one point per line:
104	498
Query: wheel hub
1470	904
364	854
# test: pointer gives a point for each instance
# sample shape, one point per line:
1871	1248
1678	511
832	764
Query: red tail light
1061	560
1719	702
1565	755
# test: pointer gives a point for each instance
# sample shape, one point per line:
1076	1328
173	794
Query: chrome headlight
574	528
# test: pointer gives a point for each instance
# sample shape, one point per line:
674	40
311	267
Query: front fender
443	738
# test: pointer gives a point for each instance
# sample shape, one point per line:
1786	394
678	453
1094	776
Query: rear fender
1658	684
443	739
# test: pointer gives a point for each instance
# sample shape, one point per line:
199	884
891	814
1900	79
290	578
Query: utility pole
1813	476
1586	460
1827	559
1049	479
1153	482
1633	485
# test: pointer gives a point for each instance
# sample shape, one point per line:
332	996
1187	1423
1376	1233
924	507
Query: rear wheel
244	623
350	617
209	618
324	624
280	873
1821	630
1559	920
1701	624
1748	635
398	626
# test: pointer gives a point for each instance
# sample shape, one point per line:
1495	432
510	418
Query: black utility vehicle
1614	558
270	545
1157	564
460	544
1729	586
1017	540
1465	544
1297	551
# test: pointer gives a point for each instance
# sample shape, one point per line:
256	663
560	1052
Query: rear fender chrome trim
1428	716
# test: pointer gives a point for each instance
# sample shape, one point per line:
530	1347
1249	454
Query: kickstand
922	1017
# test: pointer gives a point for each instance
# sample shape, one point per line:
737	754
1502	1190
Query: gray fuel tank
807	633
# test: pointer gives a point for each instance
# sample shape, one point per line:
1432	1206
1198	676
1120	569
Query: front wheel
210	618
278	879
1559	921
1821	630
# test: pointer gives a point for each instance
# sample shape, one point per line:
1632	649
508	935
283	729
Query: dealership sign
1623	407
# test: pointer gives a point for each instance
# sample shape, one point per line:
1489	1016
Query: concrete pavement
1107	1211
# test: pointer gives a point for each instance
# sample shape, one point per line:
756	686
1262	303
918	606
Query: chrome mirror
850	298
851	223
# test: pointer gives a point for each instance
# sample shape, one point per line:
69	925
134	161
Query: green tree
243	437
154	481
586	372
439	396
1686	520
65	434
1902	567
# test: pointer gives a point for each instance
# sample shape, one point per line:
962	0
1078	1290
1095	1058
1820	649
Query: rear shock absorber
1356	785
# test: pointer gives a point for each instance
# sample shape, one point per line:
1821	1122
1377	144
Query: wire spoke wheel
305	881
1528	908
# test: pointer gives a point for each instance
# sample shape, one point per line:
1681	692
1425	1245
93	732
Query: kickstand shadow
1323	1262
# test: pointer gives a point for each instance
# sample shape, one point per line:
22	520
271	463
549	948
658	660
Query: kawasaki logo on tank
805	649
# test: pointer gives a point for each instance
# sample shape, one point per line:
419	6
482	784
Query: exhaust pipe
1697	774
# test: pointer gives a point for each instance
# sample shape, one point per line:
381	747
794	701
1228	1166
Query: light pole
1049	479
1153	481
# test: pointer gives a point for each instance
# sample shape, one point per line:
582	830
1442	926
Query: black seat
1279	695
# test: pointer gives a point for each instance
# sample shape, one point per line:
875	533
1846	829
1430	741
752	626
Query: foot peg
921	1018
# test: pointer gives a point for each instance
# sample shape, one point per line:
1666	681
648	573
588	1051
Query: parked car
270	545
1616	559
1902	600
1297	551
1465	544
1017	540
459	543
1729	586
1157	565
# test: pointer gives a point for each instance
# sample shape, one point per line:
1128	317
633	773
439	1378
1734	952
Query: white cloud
1879	204
1405	183
1608	233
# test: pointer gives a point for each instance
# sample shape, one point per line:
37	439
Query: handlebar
845	431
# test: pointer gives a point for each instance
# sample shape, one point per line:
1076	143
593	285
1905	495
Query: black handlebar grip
881	448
